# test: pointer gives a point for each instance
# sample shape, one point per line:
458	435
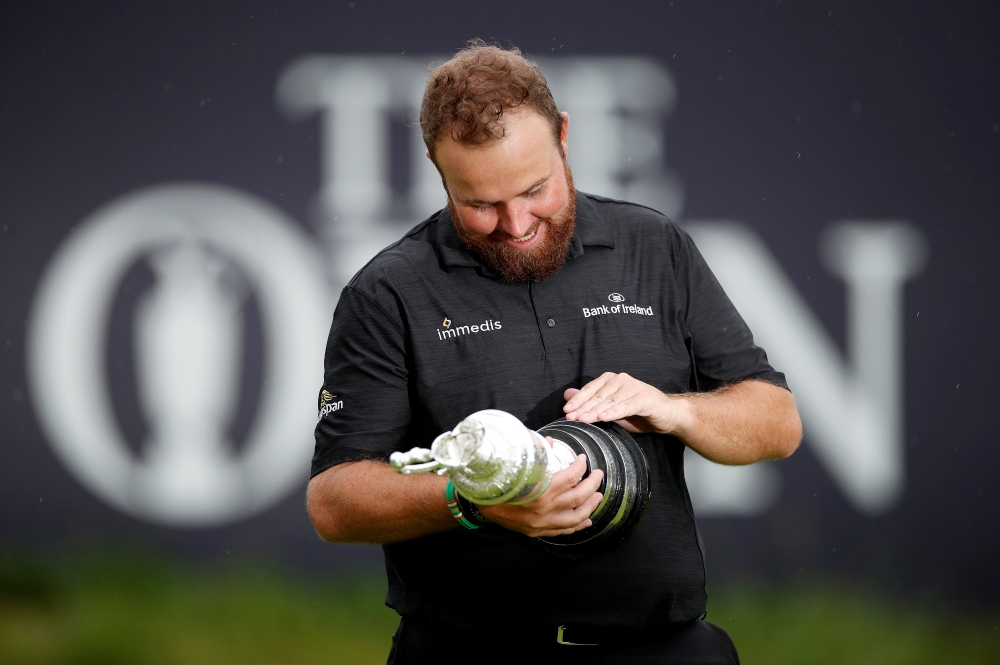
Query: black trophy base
611	449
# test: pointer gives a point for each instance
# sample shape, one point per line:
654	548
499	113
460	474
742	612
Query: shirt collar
591	229
451	250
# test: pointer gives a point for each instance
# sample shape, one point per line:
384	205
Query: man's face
512	200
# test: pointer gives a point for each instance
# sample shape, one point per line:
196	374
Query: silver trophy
492	458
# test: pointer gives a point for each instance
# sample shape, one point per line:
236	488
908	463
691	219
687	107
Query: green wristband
470	510
455	508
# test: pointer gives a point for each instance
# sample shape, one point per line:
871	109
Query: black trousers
418	641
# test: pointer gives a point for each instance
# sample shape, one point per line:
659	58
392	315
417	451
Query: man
506	299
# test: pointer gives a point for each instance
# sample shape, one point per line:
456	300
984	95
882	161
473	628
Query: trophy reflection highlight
492	458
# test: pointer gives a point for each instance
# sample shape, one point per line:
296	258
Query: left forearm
739	424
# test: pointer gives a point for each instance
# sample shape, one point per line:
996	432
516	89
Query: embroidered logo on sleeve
328	404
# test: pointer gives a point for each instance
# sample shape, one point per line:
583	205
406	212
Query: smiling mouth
527	236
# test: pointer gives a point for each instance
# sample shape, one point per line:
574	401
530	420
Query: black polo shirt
424	335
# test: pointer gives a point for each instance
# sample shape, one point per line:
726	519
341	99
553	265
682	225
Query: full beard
537	263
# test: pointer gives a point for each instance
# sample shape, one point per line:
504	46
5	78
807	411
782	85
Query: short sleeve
721	344
364	408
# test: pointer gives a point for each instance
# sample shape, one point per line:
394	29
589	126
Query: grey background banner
184	188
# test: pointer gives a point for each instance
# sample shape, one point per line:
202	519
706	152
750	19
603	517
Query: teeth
528	236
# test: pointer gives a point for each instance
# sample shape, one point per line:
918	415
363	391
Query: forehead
497	169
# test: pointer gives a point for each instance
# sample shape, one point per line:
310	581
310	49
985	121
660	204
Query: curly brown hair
468	95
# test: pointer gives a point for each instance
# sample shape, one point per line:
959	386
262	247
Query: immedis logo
489	325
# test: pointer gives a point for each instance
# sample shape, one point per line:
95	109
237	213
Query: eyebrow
535	185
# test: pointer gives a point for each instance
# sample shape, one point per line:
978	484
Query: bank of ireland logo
208	250
616	297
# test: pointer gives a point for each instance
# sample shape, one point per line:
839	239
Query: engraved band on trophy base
492	458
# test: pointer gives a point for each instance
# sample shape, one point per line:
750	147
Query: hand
564	508
636	406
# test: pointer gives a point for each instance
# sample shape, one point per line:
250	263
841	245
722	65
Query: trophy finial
456	449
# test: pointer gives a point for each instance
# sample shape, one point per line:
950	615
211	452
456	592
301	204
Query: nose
515	218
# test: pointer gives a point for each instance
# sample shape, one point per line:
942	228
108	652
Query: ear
564	132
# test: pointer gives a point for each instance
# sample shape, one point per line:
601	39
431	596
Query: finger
565	532
591	504
647	409
633	399
569	392
579	495
585	393
612	392
574	518
570	491
612	402
565	479
585	411
631	405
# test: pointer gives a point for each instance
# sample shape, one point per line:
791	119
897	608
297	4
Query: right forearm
367	502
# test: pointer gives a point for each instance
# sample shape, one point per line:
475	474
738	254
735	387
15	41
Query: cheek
550	203
555	205
481	222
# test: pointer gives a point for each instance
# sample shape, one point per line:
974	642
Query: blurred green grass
821	624
129	611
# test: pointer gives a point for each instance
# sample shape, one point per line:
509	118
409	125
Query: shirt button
551	322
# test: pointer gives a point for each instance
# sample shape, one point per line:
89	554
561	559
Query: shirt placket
546	316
